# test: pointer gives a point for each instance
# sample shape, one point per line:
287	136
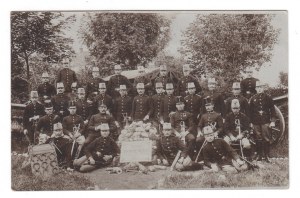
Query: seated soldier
236	126
101	152
104	98
168	147
83	107
60	101
218	155
62	146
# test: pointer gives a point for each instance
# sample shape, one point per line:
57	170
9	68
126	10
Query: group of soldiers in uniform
199	122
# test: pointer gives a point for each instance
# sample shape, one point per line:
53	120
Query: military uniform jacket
244	105
142	105
115	82
168	147
218	100
102	146
100	119
106	99
213	119
84	109
71	121
30	111
183	82
67	76
248	86
60	103
158	106
230	125
178	117
93	85
193	104
72	96
45	124
262	109
169	105
220	152
121	106
46	89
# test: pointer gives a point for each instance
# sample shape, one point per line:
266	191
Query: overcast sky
180	21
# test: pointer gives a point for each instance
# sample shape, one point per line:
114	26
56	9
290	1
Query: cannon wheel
277	132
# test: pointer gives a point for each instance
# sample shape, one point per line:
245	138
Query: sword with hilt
238	125
125	119
75	130
182	131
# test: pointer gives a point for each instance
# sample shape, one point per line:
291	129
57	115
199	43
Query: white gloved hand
25	131
272	124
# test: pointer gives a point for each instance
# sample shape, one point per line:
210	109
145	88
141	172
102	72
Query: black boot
259	150
267	151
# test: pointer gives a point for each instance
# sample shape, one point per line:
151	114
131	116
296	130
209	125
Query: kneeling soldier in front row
218	155
101	152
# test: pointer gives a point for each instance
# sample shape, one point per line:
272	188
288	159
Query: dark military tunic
46	89
102	146
158	106
220	152
122	106
230	125
71	121
93	85
84	109
193	104
168	147
115	82
244	105
248	86
60	103
180	117
45	124
183	82
262	109
72	96
213	119
101	119
67	76
169	105
105	99
142	105
218	100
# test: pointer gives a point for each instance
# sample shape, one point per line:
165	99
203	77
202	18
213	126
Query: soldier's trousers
262	132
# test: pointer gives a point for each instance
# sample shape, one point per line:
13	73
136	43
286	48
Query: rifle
238	124
175	161
204	143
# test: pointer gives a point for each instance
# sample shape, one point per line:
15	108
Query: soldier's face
192	90
95	74
74	89
170	91
236	91
209	137
249	74
60	90
49	110
180	106
211	86
42	139
235	110
58	132
102	90
186	72
123	92
159	90
163	72
72	110
209	107
45	79
141	91
34	99
167	132
260	89
118	71
65	63
81	95
104	133
102	109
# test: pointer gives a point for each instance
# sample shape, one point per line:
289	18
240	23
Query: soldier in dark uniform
236	126
158	103
193	102
32	113
104	98
83	108
142	106
60	101
93	84
218	155
183	125
122	107
63	146
163	76
236	91
102	152
66	75
248	84
115	82
98	119
73	95
169	102
142	79
262	116
185	79
218	99
46	90
45	123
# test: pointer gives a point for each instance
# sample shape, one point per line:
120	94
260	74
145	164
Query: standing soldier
163	76
103	97
84	109
46	90
45	123
262	116
158	103
185	79
218	99
142	79
169	102
236	91
60	101
66	75
248	84
115	82
183	125
122	107
31	116
193	102
142	106
93	85
73	94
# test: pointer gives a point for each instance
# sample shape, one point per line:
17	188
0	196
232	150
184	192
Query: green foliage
125	38
225	44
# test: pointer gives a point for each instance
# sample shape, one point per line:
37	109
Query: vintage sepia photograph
149	100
